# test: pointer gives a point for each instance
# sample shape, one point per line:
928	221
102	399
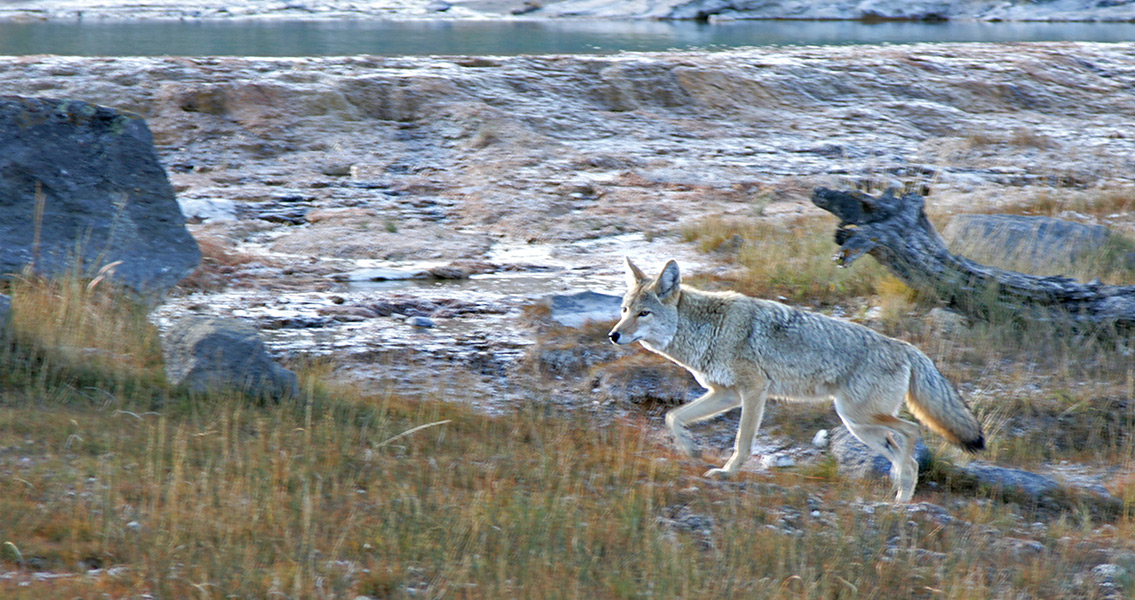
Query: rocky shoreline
700	10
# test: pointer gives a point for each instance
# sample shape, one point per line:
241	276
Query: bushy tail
936	402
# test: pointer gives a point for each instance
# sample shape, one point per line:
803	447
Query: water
504	37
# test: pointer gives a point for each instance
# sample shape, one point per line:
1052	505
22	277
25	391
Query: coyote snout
744	349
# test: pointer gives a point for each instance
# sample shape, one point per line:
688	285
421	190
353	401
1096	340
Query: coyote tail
936	403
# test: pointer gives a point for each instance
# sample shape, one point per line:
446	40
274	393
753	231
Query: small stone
820	440
424	322
777	461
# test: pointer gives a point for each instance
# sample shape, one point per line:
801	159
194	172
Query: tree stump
895	230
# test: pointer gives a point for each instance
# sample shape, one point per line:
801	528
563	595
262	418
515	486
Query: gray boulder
575	310
1027	483
1034	245
208	354
105	196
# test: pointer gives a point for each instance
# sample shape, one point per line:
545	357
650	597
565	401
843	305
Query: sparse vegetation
346	493
791	261
1114	263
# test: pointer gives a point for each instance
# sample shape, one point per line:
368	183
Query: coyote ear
668	282
635	276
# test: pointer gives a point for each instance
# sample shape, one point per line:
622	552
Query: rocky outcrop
932	10
209	355
867	10
81	183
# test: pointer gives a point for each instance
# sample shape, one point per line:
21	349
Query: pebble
425	322
777	461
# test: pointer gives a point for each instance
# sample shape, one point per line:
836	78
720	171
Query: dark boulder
208	354
79	181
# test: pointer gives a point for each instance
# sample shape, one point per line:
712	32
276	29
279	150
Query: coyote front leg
752	410
714	402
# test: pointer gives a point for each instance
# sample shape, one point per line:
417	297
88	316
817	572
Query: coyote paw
717	474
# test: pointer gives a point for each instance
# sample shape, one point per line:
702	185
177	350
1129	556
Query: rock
946	322
821	439
856	460
528	7
777	461
384	274
5	311
424	322
575	310
208	354
450	272
201	210
1034	245
1016	481
103	194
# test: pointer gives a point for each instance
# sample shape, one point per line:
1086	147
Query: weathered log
895	230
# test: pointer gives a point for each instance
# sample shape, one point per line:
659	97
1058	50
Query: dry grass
790	261
346	493
1052	202
1022	137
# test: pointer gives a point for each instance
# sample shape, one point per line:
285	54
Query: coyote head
650	307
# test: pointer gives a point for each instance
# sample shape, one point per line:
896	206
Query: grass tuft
790	262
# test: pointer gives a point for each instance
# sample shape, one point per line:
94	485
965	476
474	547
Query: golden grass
791	261
345	493
316	501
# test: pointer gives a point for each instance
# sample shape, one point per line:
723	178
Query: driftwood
897	233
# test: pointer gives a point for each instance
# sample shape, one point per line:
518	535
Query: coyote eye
645	313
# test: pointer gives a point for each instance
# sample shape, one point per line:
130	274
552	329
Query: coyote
744	350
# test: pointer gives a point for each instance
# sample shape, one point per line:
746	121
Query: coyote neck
700	315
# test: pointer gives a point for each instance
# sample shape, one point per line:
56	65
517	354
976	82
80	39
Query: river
500	37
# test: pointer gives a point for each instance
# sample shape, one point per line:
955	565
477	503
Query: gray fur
744	350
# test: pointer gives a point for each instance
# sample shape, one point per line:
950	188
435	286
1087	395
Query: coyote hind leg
895	439
713	402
